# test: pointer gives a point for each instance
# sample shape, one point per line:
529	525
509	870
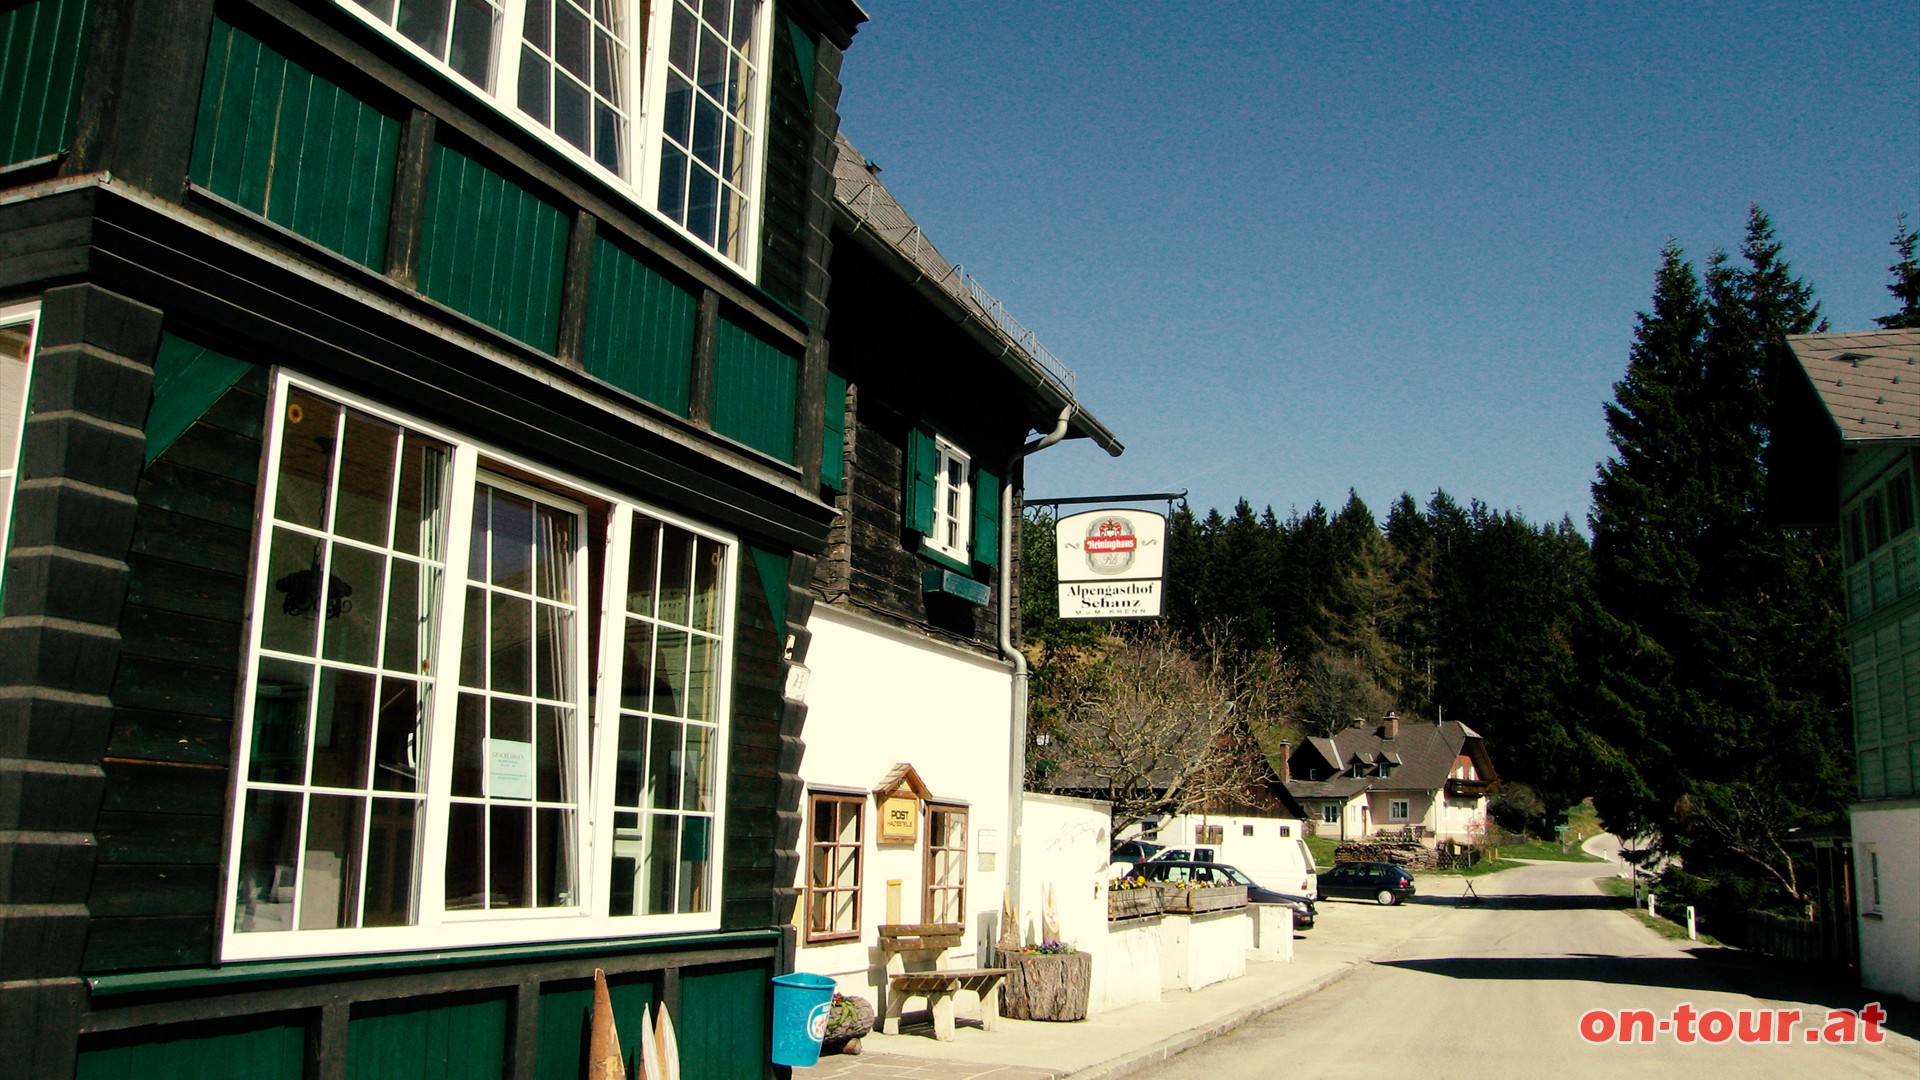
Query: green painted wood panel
755	388
491	249
923	465
187	380
833	439
986	517
565	1010
722	1026
294	148
41	45
461	1037
266	1053
640	329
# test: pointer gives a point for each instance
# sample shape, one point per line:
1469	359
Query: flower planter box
1046	986
1132	903
1178	901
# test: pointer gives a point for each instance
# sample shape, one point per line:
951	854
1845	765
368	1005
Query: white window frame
1329	813
14	436
1399	809
1870	883
951	533
645	77
597	724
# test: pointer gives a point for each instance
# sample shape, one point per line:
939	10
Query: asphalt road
1500	989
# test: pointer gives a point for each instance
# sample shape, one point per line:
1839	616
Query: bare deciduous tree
1151	724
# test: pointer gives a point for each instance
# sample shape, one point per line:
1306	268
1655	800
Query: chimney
1286	761
1390	727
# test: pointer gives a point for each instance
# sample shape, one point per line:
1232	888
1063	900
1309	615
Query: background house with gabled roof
1845	450
1392	775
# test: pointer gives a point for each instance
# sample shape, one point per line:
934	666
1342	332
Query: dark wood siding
783	213
295	148
41	44
155	893
272	1051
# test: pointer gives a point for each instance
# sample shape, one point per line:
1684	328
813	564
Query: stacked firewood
1399	850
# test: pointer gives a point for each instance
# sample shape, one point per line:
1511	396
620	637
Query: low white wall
1889	943
1126	965
1200	950
1272	932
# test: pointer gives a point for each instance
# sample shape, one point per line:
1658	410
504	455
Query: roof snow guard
857	189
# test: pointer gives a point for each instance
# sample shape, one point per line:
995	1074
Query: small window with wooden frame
833	866
946	864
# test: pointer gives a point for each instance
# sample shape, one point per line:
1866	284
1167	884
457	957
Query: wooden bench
916	967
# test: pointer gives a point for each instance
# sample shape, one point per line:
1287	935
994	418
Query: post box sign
900	817
1112	564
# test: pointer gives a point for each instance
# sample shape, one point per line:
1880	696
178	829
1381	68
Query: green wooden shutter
833	440
986	517
923	466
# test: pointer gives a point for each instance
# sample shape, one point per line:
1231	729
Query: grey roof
877	219
1424	754
1868	380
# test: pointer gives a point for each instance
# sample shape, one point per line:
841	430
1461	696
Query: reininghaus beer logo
1110	545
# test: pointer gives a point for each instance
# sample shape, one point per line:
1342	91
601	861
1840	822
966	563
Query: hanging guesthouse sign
1112	564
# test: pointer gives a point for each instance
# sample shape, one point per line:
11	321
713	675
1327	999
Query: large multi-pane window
604	78
16	368
833	866
422	760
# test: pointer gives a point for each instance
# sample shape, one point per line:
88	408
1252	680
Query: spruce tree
1906	280
1712	643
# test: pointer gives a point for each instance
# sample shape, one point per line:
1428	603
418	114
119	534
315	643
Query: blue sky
1296	248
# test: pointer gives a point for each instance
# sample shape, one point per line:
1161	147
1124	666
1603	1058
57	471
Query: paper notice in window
509	769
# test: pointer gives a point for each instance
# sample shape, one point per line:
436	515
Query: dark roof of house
1423	754
873	218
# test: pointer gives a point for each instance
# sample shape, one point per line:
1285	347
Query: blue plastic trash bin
800	1004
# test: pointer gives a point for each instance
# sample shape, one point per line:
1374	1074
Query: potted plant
1048	981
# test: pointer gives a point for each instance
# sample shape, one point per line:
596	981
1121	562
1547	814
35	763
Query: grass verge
1547	851
1622	890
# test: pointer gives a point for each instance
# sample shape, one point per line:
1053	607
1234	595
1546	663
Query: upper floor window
952	501
17	326
668	99
425	757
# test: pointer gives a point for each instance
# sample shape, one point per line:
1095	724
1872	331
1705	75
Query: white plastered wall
878	696
1890	942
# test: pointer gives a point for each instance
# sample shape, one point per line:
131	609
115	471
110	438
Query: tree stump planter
1046	986
847	1026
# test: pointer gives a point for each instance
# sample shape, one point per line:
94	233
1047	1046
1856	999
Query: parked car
1213	873
1287	864
1383	883
1136	850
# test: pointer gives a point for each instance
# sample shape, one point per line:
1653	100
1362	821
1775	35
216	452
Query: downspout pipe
1017	759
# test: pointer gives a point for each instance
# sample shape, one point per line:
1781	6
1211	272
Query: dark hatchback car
1213	873
1383	883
